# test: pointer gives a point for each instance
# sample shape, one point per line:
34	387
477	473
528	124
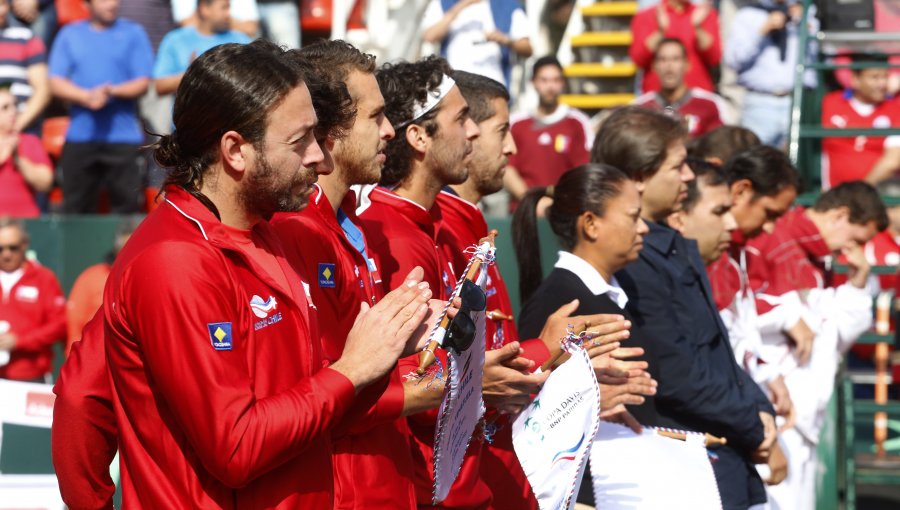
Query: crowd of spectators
713	201
109	69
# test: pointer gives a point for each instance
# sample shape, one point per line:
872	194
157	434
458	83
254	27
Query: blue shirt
89	57
180	46
757	59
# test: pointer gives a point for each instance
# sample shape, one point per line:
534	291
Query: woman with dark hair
596	216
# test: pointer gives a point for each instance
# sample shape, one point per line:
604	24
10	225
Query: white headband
431	100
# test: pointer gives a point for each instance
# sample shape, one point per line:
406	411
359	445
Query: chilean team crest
261	308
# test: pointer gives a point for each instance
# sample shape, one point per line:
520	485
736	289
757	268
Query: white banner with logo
460	411
29	405
647	471
552	437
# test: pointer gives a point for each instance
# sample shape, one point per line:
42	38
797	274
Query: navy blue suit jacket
701	387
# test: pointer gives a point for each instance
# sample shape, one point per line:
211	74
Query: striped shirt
19	49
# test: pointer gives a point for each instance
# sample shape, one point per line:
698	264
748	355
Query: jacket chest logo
27	294
265	310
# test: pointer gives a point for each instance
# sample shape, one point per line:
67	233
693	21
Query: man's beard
264	195
356	169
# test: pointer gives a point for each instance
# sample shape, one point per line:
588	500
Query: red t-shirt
16	196
550	146
851	158
645	23
701	109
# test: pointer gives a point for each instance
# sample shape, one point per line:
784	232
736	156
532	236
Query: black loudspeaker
847	15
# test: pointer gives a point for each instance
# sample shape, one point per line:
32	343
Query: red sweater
372	464
36	312
787	259
404	235
84	424
219	389
500	468
645	23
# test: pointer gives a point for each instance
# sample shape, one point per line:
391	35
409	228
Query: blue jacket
701	387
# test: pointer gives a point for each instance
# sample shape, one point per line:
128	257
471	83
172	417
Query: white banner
32	492
552	437
648	471
29	404
460	411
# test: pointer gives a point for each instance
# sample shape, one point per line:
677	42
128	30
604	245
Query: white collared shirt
592	278
9	280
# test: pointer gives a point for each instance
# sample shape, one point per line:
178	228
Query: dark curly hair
403	84
230	87
335	109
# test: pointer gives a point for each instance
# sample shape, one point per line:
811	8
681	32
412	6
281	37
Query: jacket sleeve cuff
339	387
390	405
535	350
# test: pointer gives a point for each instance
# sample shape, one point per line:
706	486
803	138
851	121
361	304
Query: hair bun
166	151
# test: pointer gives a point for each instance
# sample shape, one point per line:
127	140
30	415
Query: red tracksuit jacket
404	235
500	468
219	389
372	461
36	312
84	424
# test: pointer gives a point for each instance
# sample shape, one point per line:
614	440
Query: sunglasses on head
461	332
11	247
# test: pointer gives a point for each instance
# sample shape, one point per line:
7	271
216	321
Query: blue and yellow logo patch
220	335
326	275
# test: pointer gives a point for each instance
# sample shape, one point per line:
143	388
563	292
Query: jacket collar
429	220
661	237
799	227
208	226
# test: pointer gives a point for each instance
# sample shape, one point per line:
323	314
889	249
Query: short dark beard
260	195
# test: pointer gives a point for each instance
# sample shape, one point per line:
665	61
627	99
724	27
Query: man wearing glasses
32	309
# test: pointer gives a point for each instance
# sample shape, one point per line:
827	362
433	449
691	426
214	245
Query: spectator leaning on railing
866	104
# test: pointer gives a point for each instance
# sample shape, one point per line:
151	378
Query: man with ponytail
701	387
220	395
